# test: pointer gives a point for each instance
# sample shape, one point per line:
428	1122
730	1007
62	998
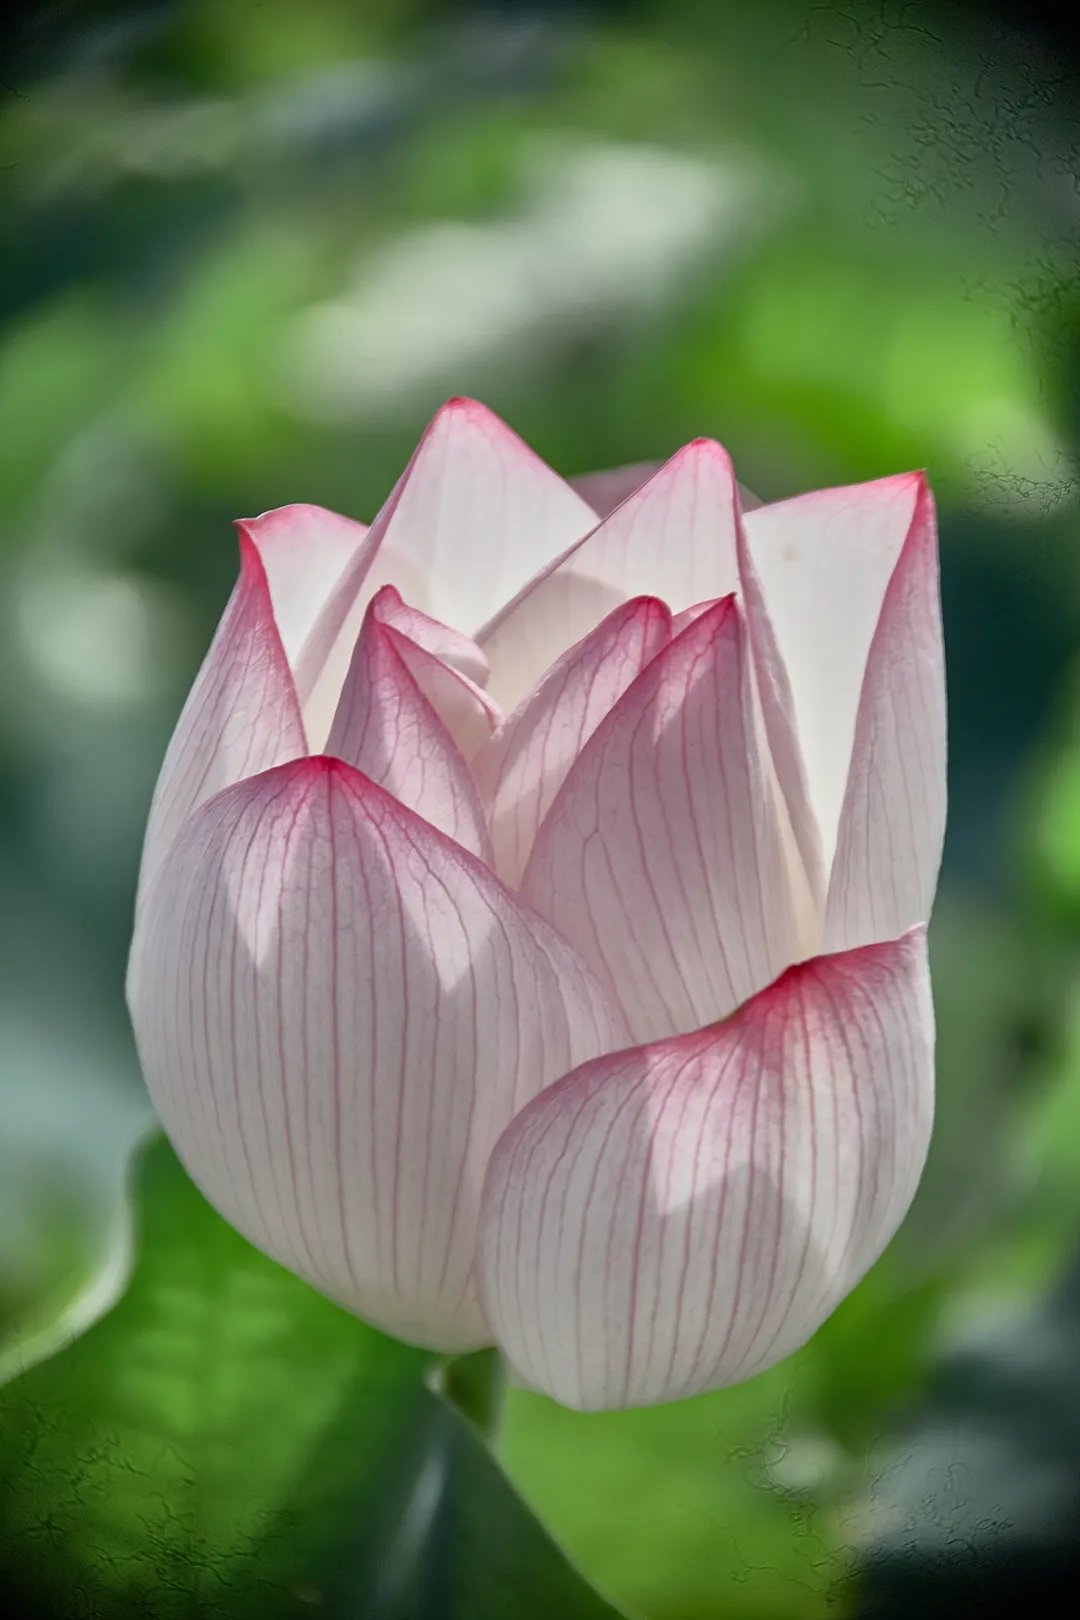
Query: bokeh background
247	249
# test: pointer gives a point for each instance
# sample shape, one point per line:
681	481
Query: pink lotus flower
530	941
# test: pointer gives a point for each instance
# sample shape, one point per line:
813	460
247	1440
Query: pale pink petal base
338	1011
679	1216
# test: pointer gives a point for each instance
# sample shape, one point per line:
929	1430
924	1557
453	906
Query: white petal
674	538
662	858
304	550
387	729
676	1217
472	517
892	822
824	561
337	1012
241	715
523	765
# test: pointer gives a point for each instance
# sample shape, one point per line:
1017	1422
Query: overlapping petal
305	550
241	715
676	1217
338	1011
386	728
523	765
452	646
464	708
674	538
892	820
824	561
475	513
663	857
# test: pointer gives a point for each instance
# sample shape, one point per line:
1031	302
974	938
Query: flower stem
476	1385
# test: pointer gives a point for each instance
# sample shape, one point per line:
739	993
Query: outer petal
892	822
824	561
662	857
523	765
387	729
337	1012
304	550
472	517
241	715
673	538
679	1216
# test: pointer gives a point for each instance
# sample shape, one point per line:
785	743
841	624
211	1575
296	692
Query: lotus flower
530	941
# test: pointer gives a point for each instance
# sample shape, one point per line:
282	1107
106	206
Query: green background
246	250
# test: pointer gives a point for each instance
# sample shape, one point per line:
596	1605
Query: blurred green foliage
247	250
225	1441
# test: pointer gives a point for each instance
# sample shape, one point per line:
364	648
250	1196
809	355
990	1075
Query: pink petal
677	1217
892	822
241	715
452	646
674	538
472	517
387	729
824	561
304	550
464	708
521	768
338	1011
662	857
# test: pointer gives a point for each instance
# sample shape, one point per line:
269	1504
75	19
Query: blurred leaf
55	371
226	1442
716	1508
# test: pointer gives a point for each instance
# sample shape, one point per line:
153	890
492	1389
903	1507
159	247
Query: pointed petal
824	561
387	729
802	832
464	708
662	857
472	517
304	550
241	715
674	538
452	646
337	1012
676	1217
892	822
523	765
